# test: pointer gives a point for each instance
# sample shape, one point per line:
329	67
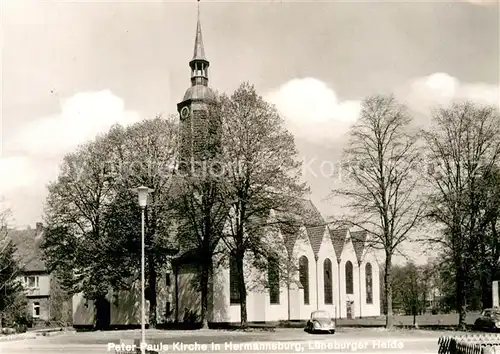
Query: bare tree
463	144
382	187
262	173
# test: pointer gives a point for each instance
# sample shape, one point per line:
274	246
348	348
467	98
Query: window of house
233	280
349	281
327	281
36	310
273	279
304	277
32	282
168	281
369	283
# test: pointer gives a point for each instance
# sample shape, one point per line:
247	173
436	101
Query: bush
23	320
21	328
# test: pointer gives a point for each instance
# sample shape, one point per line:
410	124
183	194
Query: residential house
34	276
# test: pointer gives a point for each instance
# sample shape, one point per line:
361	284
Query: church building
335	271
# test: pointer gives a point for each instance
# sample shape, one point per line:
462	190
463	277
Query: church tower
195	123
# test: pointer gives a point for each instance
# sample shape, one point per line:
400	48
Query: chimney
39	229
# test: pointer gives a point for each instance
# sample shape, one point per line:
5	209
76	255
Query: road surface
281	341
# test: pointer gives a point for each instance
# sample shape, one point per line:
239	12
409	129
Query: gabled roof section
302	213
290	236
358	241
315	234
310	214
28	250
338	237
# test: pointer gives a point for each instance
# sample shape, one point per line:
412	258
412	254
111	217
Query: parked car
489	319
320	321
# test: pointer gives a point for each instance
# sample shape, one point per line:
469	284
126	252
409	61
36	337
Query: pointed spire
199	50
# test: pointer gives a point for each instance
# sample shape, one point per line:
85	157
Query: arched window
233	280
349	281
369	283
273	279
327	283
304	277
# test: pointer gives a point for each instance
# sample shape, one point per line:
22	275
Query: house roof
338	237
358	241
28	249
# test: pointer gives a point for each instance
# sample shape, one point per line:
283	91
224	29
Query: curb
14	337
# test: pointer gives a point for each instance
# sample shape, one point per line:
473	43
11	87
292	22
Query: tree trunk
288	300
243	293
461	297
388	289
205	272
486	297
152	294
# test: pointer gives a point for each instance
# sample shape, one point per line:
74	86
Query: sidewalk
45	332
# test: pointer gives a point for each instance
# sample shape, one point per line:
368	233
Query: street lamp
143	201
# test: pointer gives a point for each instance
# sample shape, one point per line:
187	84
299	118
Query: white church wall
348	254
327	251
373	309
303	248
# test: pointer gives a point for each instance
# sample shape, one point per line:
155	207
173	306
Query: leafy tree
144	154
93	218
75	245
488	250
12	299
463	145
262	173
410	289
382	189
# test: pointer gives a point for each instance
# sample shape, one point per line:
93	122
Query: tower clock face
184	112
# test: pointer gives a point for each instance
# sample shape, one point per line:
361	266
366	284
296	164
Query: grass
428	320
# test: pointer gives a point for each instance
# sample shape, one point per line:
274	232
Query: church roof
290	237
199	92
358	241
315	234
338	237
310	214
199	49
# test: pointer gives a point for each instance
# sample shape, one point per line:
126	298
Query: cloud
82	117
441	89
32	155
313	110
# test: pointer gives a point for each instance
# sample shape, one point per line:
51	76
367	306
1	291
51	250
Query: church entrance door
350	309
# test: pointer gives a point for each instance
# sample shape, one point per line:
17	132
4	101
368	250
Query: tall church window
349	281
233	280
273	279
369	283
327	281
304	277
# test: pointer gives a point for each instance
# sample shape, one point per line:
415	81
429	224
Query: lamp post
143	201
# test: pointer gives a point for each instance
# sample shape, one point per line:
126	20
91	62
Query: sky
71	69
